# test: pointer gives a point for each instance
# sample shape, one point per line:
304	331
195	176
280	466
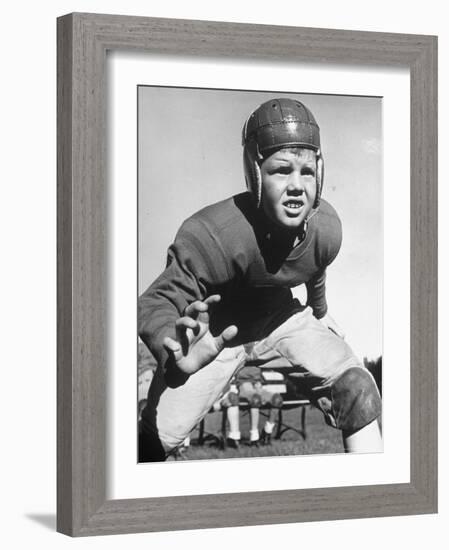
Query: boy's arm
328	248
316	299
316	294
194	267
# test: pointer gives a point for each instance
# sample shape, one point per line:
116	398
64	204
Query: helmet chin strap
319	178
300	238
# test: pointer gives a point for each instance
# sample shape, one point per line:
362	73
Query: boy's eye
281	170
307	171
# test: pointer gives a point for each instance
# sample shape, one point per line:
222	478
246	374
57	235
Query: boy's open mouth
293	205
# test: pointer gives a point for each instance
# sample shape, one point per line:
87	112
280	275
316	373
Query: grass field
320	439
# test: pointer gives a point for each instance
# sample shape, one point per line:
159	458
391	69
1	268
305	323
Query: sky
190	155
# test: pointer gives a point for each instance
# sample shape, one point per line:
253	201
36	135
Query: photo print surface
260	267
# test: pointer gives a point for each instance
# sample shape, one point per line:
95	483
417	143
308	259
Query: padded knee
276	401
355	400
255	401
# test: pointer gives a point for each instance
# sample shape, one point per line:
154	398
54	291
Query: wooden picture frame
83	40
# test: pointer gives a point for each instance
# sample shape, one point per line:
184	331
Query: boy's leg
248	392
150	448
356	399
172	412
275	401
268	428
333	378
233	414
254	425
231	403
366	440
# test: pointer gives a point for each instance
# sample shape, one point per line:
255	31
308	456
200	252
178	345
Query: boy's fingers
199	309
228	334
195	308
209	301
173	347
213	299
170	344
203	317
182	325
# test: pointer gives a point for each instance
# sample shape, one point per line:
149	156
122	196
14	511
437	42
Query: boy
224	299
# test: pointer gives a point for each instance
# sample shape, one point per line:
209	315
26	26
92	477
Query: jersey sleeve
195	265
316	294
328	246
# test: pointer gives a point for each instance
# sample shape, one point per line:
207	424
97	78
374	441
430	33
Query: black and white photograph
185	182
260	262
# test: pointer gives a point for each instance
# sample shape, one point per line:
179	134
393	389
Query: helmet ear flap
252	171
319	177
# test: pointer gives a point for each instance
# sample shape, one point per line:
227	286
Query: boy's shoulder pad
327	217
326	209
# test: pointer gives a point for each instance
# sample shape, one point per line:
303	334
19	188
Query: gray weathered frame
83	40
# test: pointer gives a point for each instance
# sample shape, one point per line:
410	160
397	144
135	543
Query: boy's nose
295	185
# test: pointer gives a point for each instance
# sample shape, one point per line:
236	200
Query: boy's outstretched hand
195	346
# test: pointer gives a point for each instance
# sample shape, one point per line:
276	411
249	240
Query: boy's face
289	186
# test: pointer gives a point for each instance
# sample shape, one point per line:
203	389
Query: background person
249	386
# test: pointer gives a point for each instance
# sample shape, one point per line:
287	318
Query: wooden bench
283	383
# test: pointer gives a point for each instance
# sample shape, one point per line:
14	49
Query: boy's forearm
153	338
319	311
316	295
156	320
